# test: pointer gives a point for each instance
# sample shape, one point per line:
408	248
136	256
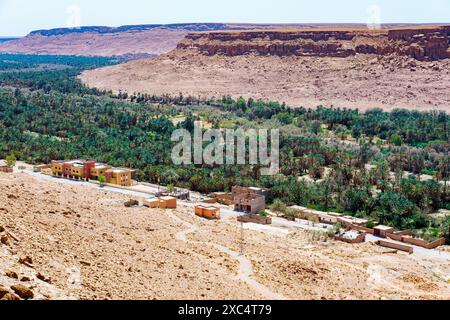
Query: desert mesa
403	67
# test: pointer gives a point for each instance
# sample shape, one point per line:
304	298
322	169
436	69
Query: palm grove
390	167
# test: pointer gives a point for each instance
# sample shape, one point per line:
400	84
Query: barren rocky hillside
343	67
61	241
138	43
423	43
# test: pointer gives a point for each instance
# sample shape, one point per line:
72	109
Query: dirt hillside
152	42
364	81
363	69
81	243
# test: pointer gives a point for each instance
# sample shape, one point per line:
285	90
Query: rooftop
354	220
335	214
79	161
168	198
351	234
383	228
117	170
102	166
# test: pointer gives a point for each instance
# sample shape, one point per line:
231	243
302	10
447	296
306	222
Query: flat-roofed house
4	167
207	211
57	168
89	169
79	169
249	200
382	231
73	169
168	202
162	203
119	176
151	203
99	170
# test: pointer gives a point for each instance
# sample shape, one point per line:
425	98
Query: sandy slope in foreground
362	82
138	253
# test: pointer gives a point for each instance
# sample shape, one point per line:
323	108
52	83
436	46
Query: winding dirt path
245	265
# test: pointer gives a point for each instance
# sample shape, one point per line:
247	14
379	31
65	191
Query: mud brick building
249	200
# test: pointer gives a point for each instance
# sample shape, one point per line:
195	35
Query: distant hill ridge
6	39
139	27
192	27
135	41
131	41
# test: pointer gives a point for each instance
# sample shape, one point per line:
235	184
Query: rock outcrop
23	291
424	44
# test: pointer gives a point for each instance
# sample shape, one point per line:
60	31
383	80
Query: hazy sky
19	17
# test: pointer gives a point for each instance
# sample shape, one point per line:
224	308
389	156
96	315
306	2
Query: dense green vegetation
47	73
23	61
390	167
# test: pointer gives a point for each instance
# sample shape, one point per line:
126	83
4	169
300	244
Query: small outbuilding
162	203
4	167
382	231
207	212
151	203
168	202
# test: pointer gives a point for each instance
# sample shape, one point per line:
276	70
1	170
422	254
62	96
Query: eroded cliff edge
424	44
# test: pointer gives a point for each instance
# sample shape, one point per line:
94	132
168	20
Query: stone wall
395	246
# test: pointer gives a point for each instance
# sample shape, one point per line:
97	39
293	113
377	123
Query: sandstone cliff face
421	44
279	43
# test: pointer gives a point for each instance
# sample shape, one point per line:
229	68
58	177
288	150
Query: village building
249	200
4	167
119	176
207	211
99	171
161	203
86	170
74	169
222	198
383	231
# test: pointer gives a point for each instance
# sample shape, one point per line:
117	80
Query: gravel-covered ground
363	82
84	244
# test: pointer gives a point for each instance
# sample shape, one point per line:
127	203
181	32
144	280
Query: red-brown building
75	169
4	167
249	200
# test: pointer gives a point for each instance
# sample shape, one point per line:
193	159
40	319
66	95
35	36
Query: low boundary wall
253	218
423	243
363	229
396	246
